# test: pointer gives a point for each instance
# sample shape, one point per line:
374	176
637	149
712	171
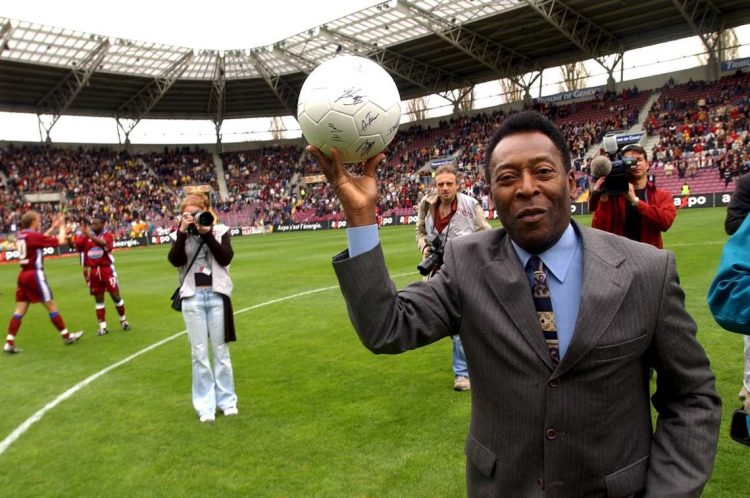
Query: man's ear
572	185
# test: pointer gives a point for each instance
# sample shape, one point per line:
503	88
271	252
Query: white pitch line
36	417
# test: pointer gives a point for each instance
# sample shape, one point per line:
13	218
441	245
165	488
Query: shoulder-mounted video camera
434	260
614	167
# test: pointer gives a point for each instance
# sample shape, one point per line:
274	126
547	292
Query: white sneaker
231	411
208	418
102	331
461	383
73	337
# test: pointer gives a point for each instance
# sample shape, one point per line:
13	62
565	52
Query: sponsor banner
159	239
735	64
579	208
315	178
12	254
722	199
297	227
387	221
719	199
407	220
436	163
575	94
629	138
253	230
137	242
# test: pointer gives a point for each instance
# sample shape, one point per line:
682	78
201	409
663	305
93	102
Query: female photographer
202	251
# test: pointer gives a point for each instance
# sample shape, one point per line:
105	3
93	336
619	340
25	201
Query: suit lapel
605	284
509	284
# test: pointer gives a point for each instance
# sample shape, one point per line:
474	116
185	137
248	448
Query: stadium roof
428	46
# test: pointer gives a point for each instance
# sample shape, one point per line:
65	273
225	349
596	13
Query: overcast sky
205	24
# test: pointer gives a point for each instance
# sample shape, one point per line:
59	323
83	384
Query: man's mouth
531	214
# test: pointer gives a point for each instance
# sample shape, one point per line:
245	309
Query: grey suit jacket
584	428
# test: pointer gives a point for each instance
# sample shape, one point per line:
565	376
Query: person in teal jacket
729	295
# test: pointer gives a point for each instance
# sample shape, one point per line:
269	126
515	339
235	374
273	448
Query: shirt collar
557	258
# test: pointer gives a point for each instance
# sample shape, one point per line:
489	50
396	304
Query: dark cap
635	148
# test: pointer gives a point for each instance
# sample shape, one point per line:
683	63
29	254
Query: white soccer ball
352	104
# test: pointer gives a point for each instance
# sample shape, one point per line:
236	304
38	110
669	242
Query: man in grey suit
560	395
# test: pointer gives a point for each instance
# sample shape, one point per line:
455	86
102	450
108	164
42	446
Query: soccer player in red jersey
32	284
95	244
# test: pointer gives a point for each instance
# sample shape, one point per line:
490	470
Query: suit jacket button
554	382
550	434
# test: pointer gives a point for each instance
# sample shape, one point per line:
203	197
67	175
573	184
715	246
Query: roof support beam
140	104
506	62
704	18
5	31
216	99
590	38
284	93
57	100
430	78
303	64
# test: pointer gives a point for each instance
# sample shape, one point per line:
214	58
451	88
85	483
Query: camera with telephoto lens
202	218
434	260
614	167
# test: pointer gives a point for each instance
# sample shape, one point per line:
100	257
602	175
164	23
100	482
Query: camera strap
197	252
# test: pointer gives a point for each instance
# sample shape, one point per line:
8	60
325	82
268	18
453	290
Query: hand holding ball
352	104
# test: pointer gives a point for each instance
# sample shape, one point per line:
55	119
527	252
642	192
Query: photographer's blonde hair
198	200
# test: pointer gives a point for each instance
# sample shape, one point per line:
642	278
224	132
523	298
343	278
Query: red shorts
32	287
101	279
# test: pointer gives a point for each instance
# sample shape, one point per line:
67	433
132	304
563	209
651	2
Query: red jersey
30	246
94	255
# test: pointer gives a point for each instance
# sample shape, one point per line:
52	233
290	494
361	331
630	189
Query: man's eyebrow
542	157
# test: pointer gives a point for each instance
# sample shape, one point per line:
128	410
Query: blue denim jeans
459	357
204	319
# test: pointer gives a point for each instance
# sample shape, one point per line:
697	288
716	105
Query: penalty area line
36	417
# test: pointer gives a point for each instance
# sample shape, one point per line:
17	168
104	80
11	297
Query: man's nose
528	184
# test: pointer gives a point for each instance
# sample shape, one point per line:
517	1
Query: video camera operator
445	214
642	212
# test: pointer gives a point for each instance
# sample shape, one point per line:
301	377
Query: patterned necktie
543	305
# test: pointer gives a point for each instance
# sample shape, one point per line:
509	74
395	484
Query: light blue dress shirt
565	278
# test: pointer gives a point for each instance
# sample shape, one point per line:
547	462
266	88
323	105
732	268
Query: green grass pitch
319	414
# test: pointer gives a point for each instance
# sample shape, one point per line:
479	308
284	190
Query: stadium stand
701	133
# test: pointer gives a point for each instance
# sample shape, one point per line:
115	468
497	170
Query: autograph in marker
369	118
335	137
365	148
353	94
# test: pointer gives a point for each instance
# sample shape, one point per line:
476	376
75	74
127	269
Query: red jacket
657	214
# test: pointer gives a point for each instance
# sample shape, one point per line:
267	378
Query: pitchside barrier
579	208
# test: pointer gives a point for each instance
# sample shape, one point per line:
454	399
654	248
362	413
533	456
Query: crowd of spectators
702	129
135	191
701	126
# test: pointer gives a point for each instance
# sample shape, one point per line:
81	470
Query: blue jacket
729	294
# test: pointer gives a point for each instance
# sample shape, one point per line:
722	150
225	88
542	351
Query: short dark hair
523	122
99	217
635	148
